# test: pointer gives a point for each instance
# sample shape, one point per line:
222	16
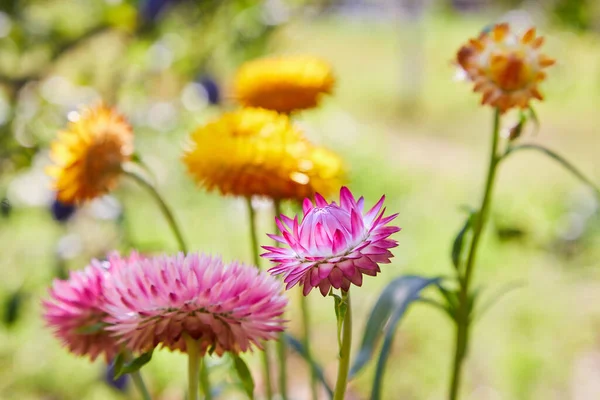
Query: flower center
510	70
104	158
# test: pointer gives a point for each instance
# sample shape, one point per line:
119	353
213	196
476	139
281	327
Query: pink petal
320	200
325	270
287	221
370	216
277	238
335	277
324	287
322	241
347	201
357	226
338	242
347	267
307	205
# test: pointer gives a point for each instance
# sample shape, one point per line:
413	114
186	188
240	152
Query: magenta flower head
225	307
334	245
75	309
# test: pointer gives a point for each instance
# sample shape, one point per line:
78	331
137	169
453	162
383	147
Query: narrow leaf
13	307
493	299
118	365
450	295
391	305
341	307
534	118
133	365
245	376
297	346
458	244
404	291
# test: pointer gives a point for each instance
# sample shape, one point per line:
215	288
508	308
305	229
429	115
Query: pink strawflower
75	312
226	307
334	245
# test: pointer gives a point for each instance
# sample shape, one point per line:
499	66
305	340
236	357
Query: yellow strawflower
283	84
254	151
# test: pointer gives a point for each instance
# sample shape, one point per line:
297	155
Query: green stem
463	318
344	363
138	381
306	342
281	344
256	259
556	157
204	382
163	207
194	359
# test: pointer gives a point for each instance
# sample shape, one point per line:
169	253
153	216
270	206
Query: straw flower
225	307
505	67
88	155
74	311
283	84
333	245
254	151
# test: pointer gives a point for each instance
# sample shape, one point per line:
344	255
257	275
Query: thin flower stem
194	360
163	207
344	363
204	382
306	342
558	158
463	317
281	344
256	259
138	381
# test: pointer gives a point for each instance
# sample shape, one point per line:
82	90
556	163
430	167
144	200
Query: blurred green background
399	118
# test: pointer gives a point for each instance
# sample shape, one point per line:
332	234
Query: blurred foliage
137	45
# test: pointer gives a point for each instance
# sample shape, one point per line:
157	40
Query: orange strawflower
89	154
505	67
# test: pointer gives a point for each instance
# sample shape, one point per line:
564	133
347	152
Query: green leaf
118	364
458	244
440	306
516	131
390	307
297	346
400	293
13	307
133	365
499	294
341	306
536	121
245	376
451	297
135	157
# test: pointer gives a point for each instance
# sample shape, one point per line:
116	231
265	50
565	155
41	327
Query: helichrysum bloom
254	151
283	84
75	312
88	155
333	245
226	307
505	67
